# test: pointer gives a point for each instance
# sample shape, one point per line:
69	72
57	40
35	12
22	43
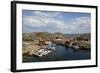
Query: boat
43	52
46	50
76	47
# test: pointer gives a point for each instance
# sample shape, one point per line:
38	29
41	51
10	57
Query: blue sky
52	21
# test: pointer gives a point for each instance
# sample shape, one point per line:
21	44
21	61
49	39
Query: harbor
57	46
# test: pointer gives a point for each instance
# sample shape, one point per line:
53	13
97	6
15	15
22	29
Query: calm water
61	53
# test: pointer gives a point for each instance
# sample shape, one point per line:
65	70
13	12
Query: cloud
46	14
54	22
79	25
33	21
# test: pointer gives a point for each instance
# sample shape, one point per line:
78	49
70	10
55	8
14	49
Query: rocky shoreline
76	46
34	44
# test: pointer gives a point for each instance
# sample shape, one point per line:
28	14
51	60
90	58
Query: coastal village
43	43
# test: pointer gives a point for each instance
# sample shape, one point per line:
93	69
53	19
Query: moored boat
48	48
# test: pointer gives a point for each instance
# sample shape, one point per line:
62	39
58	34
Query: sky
53	21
